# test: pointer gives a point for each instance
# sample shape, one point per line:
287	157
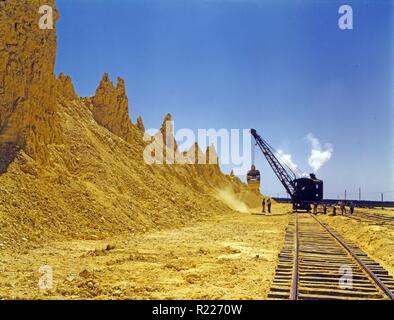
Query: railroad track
375	219
315	263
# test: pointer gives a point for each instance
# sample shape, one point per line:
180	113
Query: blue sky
282	67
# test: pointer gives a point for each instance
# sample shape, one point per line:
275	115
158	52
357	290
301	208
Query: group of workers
342	206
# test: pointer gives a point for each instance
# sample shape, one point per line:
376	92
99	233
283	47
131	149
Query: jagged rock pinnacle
196	155
111	108
211	155
65	87
120	87
140	124
167	118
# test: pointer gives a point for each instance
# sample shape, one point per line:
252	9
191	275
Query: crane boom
284	176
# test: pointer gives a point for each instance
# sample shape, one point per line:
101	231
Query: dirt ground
227	256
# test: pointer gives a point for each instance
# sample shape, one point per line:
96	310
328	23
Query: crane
304	190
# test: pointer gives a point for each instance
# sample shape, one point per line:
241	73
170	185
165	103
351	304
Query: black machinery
303	191
253	174
253	178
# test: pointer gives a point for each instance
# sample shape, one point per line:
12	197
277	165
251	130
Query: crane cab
308	191
253	179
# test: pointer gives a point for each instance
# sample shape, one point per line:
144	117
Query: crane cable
253	151
277	155
282	160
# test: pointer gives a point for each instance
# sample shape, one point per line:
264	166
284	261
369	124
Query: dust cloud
229	197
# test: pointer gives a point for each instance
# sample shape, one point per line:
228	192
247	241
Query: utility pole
359	194
345	194
382	196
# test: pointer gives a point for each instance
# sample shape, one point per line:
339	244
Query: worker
324	208
315	208
351	206
263	203
343	208
269	205
334	210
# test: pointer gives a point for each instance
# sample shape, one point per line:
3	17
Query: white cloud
285	158
319	155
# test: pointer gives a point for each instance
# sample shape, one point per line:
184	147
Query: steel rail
377	281
294	286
